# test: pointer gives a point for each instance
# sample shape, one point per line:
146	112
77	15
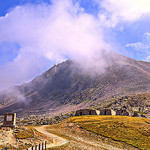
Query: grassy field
131	130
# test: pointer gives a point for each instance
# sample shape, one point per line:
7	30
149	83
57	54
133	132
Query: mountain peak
68	86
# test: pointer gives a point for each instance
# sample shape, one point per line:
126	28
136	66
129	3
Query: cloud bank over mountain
45	34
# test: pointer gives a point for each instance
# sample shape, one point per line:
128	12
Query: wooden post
32	148
42	146
39	146
35	147
45	145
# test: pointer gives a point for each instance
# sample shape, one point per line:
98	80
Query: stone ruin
135	114
9	120
82	112
122	112
105	112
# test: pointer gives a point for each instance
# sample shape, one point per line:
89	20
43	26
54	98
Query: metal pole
35	147
32	148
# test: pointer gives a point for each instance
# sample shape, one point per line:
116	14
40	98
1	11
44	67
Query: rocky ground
21	138
139	103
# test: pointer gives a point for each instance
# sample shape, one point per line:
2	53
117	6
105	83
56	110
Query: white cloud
139	46
49	32
143	48
123	10
148	58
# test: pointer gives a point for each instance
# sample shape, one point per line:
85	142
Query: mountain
66	87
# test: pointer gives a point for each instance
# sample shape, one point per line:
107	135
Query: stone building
82	112
122	112
135	114
105	112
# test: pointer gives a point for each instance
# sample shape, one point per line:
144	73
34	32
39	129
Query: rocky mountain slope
65	87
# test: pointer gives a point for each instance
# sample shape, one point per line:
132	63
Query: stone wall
105	112
122	112
85	112
135	114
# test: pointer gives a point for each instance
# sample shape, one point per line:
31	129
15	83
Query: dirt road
78	139
57	141
82	143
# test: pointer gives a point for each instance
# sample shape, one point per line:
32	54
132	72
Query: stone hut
82	112
105	112
135	114
122	112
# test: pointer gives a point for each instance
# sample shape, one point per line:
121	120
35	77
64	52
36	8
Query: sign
9	120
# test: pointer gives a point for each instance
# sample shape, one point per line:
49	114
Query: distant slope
65	87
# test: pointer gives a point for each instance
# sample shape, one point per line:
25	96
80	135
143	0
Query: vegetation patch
24	134
131	130
63	147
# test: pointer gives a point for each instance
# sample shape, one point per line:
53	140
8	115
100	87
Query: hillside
81	133
109	132
66	87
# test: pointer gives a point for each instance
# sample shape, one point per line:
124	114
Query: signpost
9	120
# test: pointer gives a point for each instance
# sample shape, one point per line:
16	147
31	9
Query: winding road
83	143
57	141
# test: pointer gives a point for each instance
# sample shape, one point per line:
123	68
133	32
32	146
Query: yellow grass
24	134
131	130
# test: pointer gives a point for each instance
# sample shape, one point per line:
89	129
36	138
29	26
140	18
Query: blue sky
36	34
6	5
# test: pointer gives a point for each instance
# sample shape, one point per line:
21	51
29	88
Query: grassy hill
129	130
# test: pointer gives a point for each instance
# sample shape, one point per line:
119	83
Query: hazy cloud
48	34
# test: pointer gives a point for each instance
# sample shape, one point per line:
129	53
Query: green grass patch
131	130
